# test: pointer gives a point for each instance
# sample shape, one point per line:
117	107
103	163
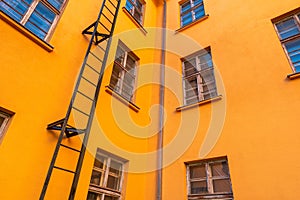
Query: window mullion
296	18
106	172
209	179
199	80
29	12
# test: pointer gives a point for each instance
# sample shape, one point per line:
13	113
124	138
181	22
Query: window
288	31
107	177
209	179
136	8
190	11
38	16
198	77
123	75
5	117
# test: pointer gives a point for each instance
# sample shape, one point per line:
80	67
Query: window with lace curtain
209	179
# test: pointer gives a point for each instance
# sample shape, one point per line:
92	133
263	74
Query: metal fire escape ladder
85	95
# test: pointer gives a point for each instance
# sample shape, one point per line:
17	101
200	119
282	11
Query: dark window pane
219	169
96	177
92	196
1	120
115	167
222	185
199	187
110	198
287	28
293	49
196	2
99	161
115	77
197	171
190	67
35	30
113	182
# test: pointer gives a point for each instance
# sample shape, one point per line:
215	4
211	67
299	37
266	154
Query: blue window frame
190	11
38	16
288	31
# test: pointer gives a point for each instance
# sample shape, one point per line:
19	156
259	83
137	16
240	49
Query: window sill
185	107
192	23
138	24
26	32
131	105
293	75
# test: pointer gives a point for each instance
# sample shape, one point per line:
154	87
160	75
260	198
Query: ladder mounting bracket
70	131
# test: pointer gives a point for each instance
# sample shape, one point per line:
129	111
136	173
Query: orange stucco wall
254	124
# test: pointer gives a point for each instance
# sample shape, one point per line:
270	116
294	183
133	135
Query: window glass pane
110	198
222	185
113	182
205	61
139	5
92	196
129	6
293	49
15	9
219	169
199	12
130	65
99	161
96	177
196	2
287	28
199	187
197	171
186	19
115	77
138	16
190	67
115	167
40	20
186	6
56	3
1	120
120	55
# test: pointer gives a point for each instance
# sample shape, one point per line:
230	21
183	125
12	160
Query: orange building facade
198	100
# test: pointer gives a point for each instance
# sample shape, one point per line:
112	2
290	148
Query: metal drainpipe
161	108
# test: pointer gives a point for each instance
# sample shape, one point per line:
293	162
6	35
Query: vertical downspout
161	107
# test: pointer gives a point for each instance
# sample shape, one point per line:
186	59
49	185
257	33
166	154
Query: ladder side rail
90	121
55	154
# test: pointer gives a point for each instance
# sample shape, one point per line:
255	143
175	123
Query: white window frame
200	85
209	180
102	190
31	9
296	37
121	78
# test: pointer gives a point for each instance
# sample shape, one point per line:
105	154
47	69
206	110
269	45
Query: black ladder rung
107	18
109	11
112	4
70	148
96	57
89	81
104	26
86	96
80	111
92	68
64	169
